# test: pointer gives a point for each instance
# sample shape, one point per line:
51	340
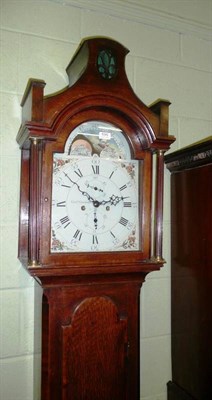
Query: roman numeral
95	239
61	204
123	221
65	221
111	174
123	187
114	238
78	172
95	169
127	204
77	235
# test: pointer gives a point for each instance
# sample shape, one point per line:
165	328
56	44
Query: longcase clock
85	220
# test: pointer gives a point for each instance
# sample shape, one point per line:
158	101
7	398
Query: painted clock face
95	193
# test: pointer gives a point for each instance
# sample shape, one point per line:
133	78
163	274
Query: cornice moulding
142	14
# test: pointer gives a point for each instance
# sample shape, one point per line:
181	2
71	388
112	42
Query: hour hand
114	200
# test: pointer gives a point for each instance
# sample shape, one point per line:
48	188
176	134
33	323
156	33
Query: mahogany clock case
90	310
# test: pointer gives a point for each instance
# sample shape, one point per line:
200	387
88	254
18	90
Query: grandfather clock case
191	271
85	220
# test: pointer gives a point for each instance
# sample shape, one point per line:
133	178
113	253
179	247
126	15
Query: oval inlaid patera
106	63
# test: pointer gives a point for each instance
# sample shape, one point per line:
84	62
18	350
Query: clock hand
95	219
114	200
94	187
78	187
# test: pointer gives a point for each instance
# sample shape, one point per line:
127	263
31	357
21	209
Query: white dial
94	205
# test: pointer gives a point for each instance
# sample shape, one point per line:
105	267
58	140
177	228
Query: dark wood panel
192	280
191	216
95	342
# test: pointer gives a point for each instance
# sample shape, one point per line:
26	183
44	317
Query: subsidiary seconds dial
94	205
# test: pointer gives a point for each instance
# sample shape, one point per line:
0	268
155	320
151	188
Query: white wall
170	43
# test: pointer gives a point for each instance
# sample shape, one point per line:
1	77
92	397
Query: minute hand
81	191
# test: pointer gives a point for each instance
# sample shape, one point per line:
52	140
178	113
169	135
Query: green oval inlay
106	63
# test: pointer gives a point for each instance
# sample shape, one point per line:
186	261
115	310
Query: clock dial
94	204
